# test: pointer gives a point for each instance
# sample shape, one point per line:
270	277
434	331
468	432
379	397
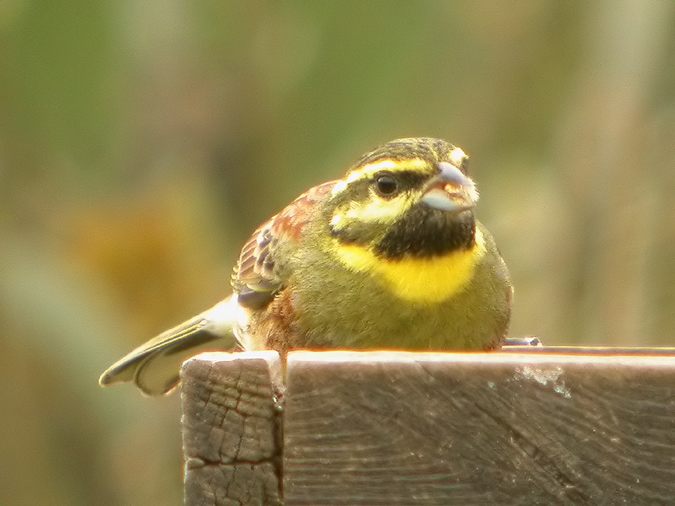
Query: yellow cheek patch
421	280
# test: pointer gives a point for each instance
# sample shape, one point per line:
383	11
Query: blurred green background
140	143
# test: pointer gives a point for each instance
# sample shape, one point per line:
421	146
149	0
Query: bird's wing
154	366
259	275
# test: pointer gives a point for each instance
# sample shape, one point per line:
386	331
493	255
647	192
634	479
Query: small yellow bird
390	256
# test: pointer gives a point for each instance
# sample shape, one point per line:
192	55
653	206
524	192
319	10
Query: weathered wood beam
526	427
231	429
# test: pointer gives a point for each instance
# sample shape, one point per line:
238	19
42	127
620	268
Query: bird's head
407	198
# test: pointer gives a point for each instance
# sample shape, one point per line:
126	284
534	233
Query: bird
390	256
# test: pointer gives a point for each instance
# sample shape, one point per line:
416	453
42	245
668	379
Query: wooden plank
231	429
479	428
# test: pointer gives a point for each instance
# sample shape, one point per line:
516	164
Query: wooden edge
563	355
269	356
592	350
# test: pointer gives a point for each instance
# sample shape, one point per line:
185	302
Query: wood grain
231	429
483	428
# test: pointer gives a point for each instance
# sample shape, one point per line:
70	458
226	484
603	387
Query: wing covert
257	277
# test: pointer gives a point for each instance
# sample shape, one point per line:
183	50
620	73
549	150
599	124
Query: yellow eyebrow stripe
388	164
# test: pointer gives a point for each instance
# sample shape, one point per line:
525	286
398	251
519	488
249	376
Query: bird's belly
373	320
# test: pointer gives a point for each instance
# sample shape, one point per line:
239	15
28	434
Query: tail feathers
154	366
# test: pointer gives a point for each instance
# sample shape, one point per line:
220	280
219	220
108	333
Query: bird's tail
154	366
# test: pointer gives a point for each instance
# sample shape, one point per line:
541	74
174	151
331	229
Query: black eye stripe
359	190
407	178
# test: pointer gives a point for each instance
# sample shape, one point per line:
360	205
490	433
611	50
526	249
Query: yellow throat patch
420	280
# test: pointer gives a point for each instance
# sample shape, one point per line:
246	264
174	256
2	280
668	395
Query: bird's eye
386	185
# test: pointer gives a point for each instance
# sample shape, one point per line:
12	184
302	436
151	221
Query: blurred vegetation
140	142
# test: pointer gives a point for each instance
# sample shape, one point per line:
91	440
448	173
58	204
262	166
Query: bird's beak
450	190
